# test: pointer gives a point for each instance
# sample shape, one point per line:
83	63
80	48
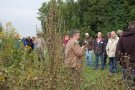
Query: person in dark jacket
99	50
125	54
29	42
88	43
105	43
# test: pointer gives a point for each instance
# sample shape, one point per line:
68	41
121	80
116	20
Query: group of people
102	47
35	43
114	46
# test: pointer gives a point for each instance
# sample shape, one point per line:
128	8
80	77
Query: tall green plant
11	47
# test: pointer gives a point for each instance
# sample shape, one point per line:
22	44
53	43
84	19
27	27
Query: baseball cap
28	35
86	34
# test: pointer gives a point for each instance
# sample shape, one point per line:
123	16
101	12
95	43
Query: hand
83	47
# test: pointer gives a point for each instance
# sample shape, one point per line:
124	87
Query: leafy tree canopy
92	16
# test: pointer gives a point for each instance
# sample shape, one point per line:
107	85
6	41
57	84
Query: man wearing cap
29	42
88	43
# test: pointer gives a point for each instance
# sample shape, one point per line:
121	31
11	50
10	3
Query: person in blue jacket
29	42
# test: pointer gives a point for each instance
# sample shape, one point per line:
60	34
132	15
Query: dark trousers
105	58
101	59
113	65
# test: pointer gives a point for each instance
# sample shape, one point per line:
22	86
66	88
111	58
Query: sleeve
104	47
83	43
119	50
107	48
94	47
92	44
63	40
78	50
25	43
32	46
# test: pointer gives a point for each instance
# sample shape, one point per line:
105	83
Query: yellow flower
19	77
1	79
31	54
27	46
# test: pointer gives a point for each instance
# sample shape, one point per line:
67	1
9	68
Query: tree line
92	16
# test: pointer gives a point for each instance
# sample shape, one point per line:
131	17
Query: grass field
96	76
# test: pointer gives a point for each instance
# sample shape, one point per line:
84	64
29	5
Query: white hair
119	31
74	32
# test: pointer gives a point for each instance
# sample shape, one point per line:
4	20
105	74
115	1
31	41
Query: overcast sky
22	14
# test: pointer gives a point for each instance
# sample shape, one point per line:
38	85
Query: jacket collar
74	40
102	39
114	38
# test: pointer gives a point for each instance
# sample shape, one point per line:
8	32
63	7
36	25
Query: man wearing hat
88	43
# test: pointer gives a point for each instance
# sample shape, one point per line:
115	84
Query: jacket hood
128	32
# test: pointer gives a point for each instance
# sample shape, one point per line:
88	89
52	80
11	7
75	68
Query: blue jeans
129	76
89	58
102	61
113	65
